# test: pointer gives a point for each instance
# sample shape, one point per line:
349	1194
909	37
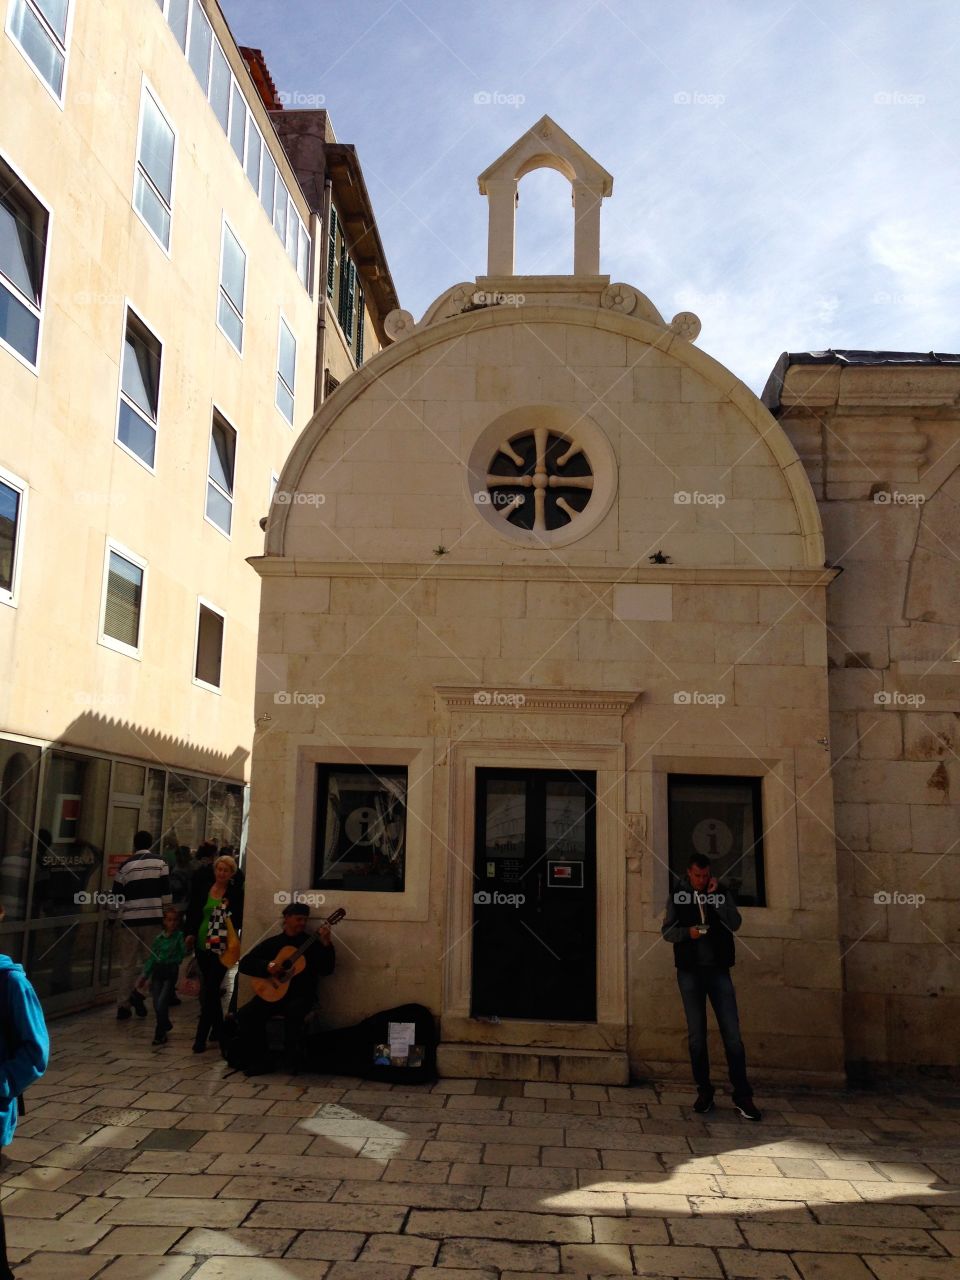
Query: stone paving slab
142	1164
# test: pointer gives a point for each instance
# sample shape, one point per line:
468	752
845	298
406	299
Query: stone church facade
545	607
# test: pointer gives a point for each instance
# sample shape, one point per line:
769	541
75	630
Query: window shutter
359	328
348	293
332	252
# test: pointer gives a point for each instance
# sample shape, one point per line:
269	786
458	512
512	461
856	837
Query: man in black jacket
318	959
700	921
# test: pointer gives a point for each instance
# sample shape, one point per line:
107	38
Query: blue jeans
696	985
161	992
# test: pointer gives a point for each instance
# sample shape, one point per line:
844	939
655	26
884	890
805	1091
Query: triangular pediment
546	145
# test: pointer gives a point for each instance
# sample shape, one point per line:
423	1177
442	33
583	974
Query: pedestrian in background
141	890
162	968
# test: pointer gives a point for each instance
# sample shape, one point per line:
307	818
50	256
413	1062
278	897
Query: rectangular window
153	186
303	257
233	274
280	210
39	27
254	148
721	818
358	340
220	84
238	121
348	284
360	839
209	649
13	504
122	600
286	370
201	39
139	391
223	452
178	14
267	178
24	223
293	226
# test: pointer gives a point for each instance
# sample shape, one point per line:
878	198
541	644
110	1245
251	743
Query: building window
358	326
201	39
153	187
178	16
303	256
268	177
122	600
220	85
286	370
233	273
254	149
333	250
13	507
139	391
238	121
721	818
223	452
361	828
280	200
209	650
39	28
24	224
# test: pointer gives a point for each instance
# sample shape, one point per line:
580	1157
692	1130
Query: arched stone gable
664	377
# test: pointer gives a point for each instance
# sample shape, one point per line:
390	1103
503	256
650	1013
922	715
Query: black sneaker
748	1110
123	1013
704	1103
160	1038
138	1002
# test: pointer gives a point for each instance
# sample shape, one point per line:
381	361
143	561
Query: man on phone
700	921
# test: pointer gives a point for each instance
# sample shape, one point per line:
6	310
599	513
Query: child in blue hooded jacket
24	1051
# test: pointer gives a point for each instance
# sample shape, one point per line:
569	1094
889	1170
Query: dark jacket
200	885
718	910
318	959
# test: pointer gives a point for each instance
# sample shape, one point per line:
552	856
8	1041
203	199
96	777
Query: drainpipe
322	293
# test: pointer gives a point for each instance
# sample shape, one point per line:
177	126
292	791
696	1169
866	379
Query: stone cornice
681	575
539	701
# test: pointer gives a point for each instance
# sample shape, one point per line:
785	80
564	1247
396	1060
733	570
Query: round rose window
539	481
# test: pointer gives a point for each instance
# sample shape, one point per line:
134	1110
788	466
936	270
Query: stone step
511	1062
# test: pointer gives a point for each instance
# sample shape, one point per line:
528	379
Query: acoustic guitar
289	962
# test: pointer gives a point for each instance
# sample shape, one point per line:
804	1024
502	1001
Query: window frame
111	546
322	772
128	310
217	412
204	603
758	851
10	286
282	324
225	226
147	88
11	598
60	99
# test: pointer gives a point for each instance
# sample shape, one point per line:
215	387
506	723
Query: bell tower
544	146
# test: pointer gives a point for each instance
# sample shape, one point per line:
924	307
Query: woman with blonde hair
216	908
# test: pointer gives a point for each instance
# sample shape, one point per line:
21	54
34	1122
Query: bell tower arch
544	146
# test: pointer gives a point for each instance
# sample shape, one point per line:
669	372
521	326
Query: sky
788	171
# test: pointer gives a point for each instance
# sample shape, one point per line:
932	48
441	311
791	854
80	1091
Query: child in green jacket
162	968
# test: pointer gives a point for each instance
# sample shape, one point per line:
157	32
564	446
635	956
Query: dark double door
534	900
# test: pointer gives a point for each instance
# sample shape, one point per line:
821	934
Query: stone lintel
532	700
734	575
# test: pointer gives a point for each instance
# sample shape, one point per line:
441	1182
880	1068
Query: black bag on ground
352	1051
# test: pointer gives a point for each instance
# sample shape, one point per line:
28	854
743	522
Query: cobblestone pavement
136	1163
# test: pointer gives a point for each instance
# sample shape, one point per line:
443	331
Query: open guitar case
350	1051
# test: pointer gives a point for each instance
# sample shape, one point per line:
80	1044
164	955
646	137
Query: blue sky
788	171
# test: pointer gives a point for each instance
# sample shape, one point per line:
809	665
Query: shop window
71	836
361	825
721	818
19	770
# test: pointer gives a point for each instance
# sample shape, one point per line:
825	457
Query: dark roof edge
847	356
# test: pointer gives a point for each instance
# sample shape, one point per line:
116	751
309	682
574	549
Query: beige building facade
162	284
560	618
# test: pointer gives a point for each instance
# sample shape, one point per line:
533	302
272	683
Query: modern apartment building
162	343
